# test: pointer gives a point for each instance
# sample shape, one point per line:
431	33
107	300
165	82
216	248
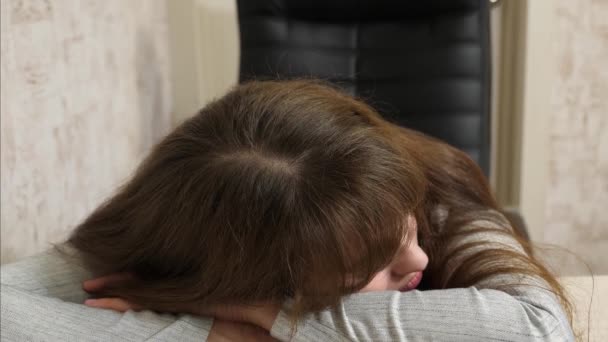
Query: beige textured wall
85	91
577	189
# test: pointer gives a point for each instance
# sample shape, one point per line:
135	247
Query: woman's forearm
437	315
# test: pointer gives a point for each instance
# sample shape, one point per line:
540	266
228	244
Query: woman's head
276	190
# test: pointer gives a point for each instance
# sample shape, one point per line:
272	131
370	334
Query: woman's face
405	271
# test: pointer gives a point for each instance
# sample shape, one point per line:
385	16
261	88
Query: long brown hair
290	189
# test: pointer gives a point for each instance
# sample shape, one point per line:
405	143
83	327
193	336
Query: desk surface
580	289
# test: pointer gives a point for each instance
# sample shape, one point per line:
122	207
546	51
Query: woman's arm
41	301
526	312
31	317
438	315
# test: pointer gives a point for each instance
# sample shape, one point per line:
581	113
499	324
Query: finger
97	284
116	304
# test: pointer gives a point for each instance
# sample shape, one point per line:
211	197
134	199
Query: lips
413	283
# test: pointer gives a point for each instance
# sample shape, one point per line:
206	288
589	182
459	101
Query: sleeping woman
289	209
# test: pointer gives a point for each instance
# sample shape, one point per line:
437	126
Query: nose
411	259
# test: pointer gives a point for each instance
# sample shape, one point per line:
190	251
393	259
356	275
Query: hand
222	331
116	304
120	304
261	315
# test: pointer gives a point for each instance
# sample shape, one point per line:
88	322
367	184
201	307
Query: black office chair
422	64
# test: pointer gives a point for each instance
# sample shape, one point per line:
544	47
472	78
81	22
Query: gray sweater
41	298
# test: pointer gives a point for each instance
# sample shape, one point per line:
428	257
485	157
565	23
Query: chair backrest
422	64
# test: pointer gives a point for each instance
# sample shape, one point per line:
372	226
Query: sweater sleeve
479	313
41	300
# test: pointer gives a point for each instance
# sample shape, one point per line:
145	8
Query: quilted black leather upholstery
422	64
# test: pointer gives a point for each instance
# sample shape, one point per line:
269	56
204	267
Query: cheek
380	282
